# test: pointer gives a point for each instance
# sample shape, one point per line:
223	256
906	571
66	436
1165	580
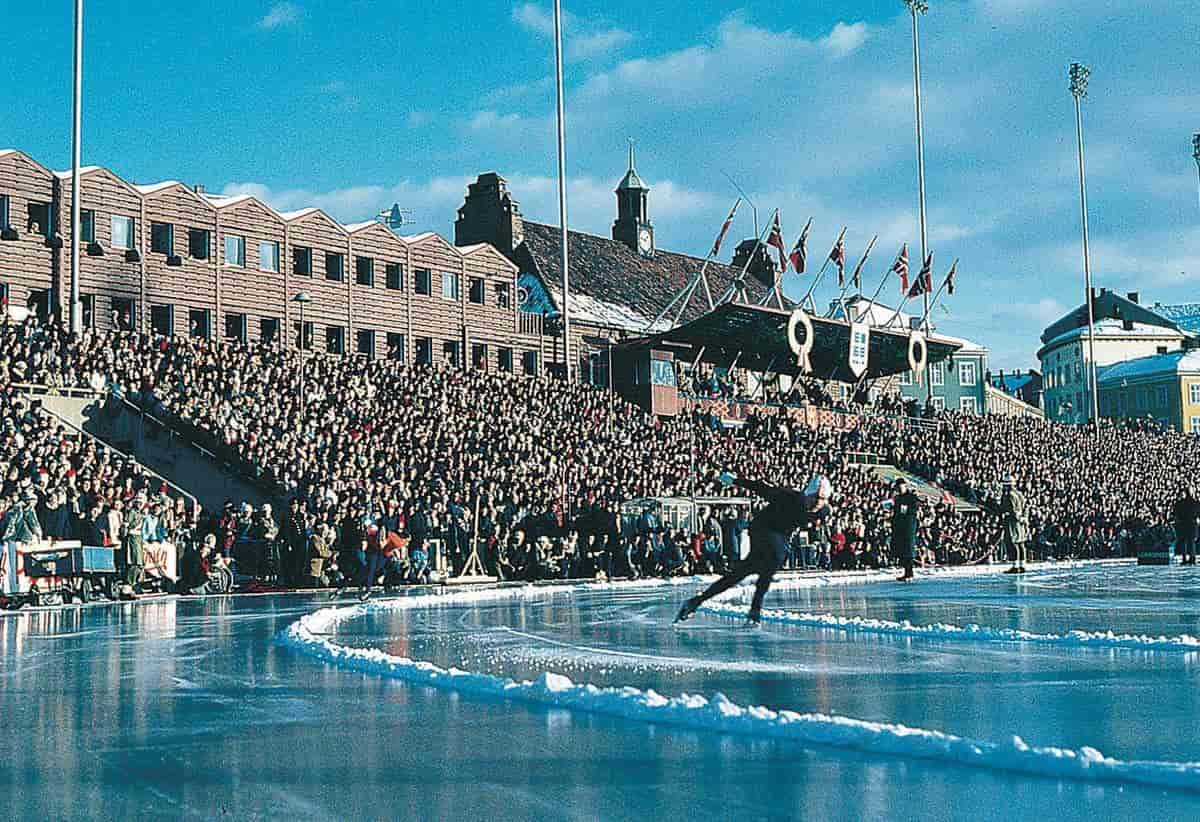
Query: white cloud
340	93
845	39
280	15
582	40
492	121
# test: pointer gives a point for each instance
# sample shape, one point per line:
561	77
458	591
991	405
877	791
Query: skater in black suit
904	526
787	509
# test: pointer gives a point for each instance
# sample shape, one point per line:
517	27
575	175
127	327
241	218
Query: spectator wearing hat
905	506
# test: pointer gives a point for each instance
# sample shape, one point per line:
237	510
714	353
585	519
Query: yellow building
1165	387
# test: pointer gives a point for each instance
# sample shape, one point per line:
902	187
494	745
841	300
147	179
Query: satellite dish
522	295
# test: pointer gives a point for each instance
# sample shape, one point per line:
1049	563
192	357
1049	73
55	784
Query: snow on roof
297	214
353	227
1116	329
1158	365
66	175
877	314
1184	315
471	249
613	315
152	188
4	152
416	238
222	200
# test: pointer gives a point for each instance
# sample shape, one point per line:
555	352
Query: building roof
1012	383
353	227
878	314
613	285
1114	330
66	175
1184	315
152	188
298	213
1159	365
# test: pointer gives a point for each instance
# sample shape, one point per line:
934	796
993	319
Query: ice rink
859	698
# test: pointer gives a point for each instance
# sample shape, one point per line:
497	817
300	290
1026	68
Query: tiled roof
612	279
1170	364
1184	315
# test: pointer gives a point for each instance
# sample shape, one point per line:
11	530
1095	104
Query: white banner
860	347
916	355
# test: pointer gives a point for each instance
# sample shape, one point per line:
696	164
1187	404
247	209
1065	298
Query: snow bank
310	636
970	632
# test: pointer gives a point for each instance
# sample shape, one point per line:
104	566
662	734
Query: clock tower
632	226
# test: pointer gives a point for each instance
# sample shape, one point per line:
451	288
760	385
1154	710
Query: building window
162	238
4	224
937	374
1193	393
395	276
662	372
450	285
333	266
87	305
906	378
506	360
966	373
1195	425
198	242
364	271
87	225
475	294
479	356
162	320
968	405
452	353
40	219
122	231
364	343
235	250
424	282
3	298
529	363
268	330
123	314
268	257
937	403
335	339
395	346
305	341
235	327
302	261
424	350
503	295
200	323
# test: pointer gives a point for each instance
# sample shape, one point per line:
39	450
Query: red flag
724	229
838	258
776	239
950	278
923	283
799	255
901	268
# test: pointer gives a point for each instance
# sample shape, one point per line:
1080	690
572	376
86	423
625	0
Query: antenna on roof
396	217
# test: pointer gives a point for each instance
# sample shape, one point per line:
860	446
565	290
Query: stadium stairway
191	468
923	488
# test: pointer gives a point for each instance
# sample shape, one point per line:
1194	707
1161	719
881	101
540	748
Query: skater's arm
756	487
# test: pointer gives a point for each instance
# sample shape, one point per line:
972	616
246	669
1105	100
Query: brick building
173	259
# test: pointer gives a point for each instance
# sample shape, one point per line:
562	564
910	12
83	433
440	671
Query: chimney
1127	325
761	267
198	188
489	214
1132	296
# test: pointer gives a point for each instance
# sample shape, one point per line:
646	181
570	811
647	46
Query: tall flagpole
917	8
1079	83
562	192
1196	154
76	321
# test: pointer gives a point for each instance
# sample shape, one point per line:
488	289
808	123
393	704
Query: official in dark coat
905	507
1184	513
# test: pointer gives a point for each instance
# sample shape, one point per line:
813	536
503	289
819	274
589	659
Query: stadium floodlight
917	6
1196	148
1079	80
1079	75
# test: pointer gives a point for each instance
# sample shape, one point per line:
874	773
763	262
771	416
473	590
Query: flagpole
1079	83
821	273
746	265
74	310
934	299
562	191
917	8
1196	154
857	271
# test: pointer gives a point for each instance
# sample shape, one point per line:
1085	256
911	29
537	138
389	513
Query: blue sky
353	105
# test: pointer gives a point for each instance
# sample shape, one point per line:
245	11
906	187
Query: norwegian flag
799	256
725	229
923	284
776	239
901	268
950	278
838	258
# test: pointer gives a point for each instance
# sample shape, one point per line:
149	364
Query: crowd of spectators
428	460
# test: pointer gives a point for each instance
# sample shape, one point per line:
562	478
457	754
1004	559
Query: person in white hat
787	509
